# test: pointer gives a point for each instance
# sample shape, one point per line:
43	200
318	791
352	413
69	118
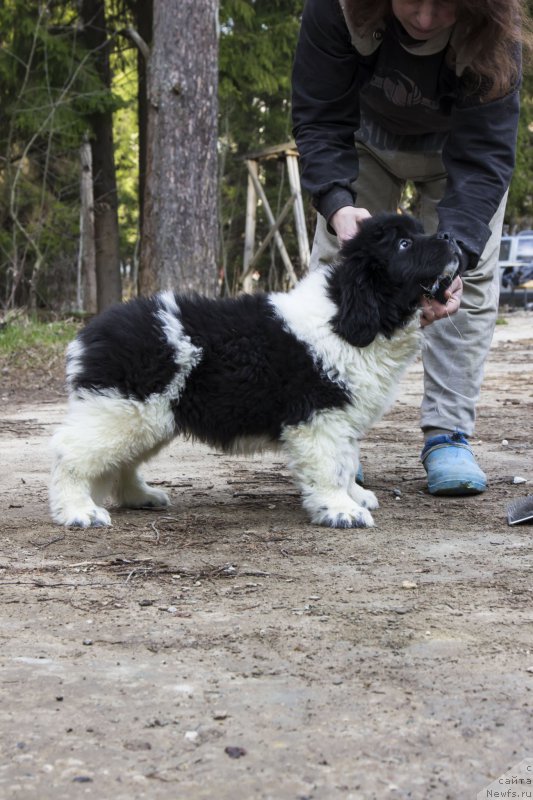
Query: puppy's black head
382	274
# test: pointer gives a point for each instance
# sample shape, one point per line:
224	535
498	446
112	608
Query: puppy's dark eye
404	244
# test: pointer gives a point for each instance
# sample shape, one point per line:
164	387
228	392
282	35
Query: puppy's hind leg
70	492
132	491
102	436
78	476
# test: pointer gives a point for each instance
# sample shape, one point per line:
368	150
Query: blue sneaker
451	466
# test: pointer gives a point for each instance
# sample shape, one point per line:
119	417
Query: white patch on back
186	354
75	352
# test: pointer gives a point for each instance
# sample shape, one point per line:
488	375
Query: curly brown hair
490	33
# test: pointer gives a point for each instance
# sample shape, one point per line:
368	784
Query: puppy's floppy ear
350	287
356	283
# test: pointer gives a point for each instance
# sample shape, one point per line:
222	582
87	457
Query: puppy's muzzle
452	268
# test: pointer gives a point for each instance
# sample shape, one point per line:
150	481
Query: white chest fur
371	374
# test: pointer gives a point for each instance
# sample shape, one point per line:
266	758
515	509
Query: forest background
101	98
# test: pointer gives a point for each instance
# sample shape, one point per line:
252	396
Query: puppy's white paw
145	497
363	497
369	500
94	517
353	517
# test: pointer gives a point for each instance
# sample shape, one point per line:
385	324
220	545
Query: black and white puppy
309	371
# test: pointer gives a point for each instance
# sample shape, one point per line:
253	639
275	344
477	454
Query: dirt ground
228	649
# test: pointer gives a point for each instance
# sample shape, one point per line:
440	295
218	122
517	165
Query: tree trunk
109	289
87	294
144	20
179	248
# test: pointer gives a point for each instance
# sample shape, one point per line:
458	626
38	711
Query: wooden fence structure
255	194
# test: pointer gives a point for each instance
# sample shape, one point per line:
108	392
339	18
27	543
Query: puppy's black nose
447	237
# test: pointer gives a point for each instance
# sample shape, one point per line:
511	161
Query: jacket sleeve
325	106
479	157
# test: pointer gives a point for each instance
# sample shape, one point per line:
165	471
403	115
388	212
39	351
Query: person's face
423	19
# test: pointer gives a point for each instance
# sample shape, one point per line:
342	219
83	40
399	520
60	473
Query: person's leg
454	356
456	348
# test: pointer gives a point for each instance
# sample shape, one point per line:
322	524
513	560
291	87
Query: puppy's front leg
323	462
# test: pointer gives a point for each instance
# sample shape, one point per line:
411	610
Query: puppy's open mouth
445	279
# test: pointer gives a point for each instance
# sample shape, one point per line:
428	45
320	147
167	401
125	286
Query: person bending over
427	91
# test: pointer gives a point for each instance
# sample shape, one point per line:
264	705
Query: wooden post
246	280
277	237
299	213
251	216
254	194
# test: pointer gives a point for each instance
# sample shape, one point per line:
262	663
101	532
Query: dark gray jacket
418	100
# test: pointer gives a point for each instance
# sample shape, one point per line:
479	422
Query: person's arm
325	106
479	158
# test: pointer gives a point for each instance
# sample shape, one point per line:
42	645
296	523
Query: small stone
235	752
145	603
137	746
220	714
505	442
191	736
517	479
87	642
397	492
409	585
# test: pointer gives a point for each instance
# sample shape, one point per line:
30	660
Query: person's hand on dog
433	310
345	221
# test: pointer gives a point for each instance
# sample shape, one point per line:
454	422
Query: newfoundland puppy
308	371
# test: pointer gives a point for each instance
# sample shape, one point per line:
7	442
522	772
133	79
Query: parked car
516	260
